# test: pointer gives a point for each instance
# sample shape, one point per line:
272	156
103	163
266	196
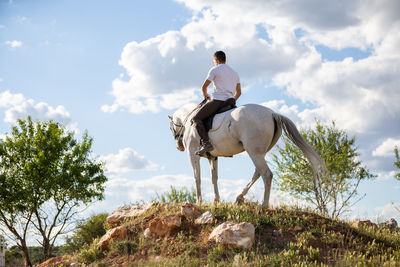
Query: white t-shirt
225	80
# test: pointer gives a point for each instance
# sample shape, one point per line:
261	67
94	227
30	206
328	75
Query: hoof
216	200
240	199
262	207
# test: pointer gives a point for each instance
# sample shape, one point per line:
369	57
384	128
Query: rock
164	224
191	211
117	233
366	223
147	233
298	228
277	233
118	216
56	261
205	218
390	224
235	234
74	264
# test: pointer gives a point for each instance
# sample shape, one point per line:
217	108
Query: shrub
86	231
90	253
177	196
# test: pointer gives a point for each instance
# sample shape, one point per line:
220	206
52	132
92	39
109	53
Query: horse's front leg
195	162
214	176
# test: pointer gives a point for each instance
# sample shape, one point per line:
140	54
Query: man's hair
220	55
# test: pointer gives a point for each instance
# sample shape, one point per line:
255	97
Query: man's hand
207	96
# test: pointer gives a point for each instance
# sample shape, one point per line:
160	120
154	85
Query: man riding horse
226	85
252	128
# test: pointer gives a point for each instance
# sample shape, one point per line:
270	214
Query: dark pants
204	112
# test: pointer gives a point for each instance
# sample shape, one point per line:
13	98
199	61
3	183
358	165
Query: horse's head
177	130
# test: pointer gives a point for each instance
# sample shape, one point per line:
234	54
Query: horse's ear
170	117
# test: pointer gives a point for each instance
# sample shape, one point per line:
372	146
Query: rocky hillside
230	235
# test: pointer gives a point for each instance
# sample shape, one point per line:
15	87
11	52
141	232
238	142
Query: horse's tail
317	164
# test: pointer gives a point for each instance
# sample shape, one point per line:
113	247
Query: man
226	85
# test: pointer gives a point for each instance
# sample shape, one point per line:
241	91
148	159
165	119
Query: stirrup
207	147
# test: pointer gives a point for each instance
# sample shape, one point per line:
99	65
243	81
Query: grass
284	237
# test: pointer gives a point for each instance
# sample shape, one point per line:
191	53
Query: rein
179	133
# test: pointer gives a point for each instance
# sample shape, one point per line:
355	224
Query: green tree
45	175
336	191
85	232
397	162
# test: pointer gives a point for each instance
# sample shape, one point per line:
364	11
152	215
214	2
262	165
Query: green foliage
397	162
15	257
45	173
86	231
177	196
125	247
334	194
90	253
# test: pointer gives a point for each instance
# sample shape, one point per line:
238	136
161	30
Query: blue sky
118	68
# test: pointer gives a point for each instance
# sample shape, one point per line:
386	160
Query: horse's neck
183	113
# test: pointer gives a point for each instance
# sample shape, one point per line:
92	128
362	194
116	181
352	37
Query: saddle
227	105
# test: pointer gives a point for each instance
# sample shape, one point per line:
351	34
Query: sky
117	68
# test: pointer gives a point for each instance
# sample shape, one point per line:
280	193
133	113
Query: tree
397	162
45	175
335	192
85	232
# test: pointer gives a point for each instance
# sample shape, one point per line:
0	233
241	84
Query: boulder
391	224
191	211
117	233
234	234
164	224
298	228
277	233
118	216
366	223
56	261
205	218
147	233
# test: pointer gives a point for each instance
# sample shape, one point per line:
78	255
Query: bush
86	231
177	196
90	253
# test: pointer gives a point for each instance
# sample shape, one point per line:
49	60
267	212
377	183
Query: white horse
252	128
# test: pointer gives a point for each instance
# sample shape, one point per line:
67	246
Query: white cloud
385	176
173	63
18	107
390	210
127	160
14	43
386	148
360	96
303	118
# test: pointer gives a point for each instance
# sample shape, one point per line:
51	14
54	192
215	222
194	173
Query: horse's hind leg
263	170
267	178
240	197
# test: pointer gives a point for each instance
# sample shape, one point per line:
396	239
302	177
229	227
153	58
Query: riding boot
206	147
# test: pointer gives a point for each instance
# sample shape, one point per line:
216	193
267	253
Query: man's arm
204	89
238	91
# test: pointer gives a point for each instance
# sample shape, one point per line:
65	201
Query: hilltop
161	234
